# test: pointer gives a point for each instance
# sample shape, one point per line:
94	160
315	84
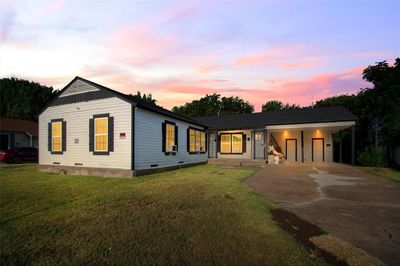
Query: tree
23	99
382	102
235	105
211	105
376	108
275	105
147	98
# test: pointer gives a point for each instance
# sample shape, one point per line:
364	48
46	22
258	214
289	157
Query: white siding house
91	129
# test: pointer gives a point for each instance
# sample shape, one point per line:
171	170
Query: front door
259	144
212	145
318	150
291	150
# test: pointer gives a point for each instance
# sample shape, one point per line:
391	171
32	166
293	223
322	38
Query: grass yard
383	171
199	215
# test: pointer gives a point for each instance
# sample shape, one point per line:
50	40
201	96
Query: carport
310	142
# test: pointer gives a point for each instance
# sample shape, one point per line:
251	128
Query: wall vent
78	163
153	165
56	162
181	162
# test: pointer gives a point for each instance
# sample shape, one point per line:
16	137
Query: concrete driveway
361	208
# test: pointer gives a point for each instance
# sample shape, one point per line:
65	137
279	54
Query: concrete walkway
361	208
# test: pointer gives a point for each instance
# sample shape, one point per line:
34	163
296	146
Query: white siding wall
249	146
77	116
78	87
148	142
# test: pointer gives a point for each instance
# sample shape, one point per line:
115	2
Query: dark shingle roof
17	125
107	92
254	120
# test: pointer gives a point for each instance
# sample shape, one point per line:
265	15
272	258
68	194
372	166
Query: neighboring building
17	133
303	135
91	129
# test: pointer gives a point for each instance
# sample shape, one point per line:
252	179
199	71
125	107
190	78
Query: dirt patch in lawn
303	231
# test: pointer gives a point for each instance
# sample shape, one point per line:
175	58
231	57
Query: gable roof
18	125
256	120
105	92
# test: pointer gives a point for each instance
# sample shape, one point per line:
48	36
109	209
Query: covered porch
311	142
287	143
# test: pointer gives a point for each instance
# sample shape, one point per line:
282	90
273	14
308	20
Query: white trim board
313	125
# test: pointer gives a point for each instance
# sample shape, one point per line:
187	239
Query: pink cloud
307	63
269	56
207	68
54	5
303	92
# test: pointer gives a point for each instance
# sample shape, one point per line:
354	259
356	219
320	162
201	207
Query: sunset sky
293	51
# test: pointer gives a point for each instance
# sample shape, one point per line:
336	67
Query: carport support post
340	149
302	146
353	145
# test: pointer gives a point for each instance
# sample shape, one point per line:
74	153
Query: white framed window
169	137
231	143
56	136
197	140
101	134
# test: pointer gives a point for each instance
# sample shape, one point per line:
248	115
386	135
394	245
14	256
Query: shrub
371	156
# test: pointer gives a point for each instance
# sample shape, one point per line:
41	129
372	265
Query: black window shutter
111	134
163	129
64	135
219	143
49	137
244	143
176	137
91	135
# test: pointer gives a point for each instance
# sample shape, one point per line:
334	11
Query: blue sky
293	51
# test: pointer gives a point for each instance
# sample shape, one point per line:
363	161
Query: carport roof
257	120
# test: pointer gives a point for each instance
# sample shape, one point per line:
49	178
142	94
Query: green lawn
383	171
199	215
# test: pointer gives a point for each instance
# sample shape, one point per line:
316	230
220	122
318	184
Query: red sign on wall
122	135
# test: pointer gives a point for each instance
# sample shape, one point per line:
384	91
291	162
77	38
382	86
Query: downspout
30	139
302	146
353	145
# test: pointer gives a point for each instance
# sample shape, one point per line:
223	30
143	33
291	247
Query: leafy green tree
275	105
235	105
23	99
382	103
147	98
211	105
375	107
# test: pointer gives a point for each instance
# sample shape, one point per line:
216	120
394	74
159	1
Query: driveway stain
324	179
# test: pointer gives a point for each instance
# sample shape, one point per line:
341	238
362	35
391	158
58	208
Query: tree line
377	108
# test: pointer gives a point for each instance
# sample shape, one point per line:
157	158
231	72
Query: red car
19	155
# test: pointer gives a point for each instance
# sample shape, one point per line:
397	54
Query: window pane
101	143
101	125
198	140
56	129
237	143
56	143
203	141
226	143
192	140
170	137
